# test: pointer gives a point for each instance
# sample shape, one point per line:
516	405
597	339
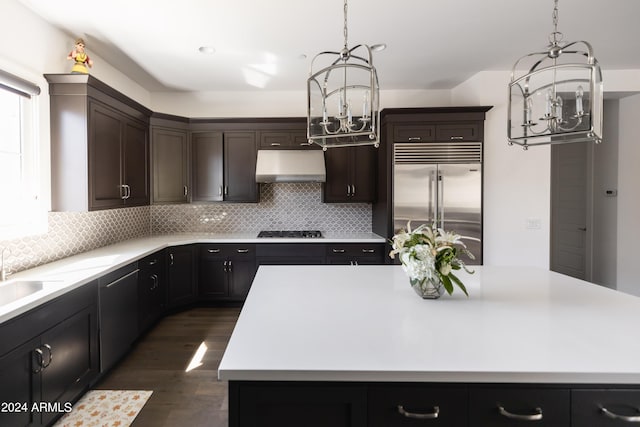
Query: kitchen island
355	346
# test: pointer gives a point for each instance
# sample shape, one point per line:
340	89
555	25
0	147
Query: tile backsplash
283	206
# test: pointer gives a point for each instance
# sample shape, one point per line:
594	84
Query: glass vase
428	288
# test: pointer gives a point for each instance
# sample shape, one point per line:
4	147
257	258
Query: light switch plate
533	223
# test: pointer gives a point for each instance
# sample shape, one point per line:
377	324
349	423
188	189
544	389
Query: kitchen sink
15	290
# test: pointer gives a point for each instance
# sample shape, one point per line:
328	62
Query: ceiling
259	44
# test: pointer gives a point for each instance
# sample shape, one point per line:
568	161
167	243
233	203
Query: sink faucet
3	272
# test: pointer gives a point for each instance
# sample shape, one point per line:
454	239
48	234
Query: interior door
414	194
460	204
570	210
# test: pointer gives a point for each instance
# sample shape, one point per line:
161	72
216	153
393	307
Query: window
21	212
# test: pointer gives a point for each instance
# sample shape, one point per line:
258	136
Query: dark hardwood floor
159	361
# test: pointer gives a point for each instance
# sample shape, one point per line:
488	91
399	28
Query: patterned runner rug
106	408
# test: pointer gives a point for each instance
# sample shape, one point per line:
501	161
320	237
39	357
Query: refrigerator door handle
433	201
441	199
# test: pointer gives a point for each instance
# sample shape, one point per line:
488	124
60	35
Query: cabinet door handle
213	251
50	358
456	138
368	251
220	191
242	251
627	418
415	138
230	266
275	144
225	266
123	192
39	364
115	282
226	190
338	251
154	279
348	190
185	190
419	415
523	417
170	259
353	190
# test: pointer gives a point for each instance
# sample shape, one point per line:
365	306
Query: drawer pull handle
242	251
338	251
415	138
419	416
529	417
213	251
626	418
275	144
153	262
457	138
368	251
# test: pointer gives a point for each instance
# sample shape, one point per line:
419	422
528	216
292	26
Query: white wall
275	103
628	196
30	48
516	182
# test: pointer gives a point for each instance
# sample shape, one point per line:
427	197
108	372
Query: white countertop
365	323
69	273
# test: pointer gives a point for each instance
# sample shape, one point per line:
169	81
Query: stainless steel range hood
290	166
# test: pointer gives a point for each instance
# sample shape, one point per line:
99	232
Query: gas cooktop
291	233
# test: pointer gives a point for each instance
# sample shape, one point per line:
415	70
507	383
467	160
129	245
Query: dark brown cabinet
519	407
226	271
49	354
285	140
170	161
152	290
350	175
224	165
99	146
355	253
411	405
290	254
605	407
182	285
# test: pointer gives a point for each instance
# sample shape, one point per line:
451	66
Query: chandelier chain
345	24
556	36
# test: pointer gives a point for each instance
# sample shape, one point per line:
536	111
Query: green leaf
459	283
447	284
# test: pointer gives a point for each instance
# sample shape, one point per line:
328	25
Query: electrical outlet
533	224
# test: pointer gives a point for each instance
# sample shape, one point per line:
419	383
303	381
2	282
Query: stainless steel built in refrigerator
440	183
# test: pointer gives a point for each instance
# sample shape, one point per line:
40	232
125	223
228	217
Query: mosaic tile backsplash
282	207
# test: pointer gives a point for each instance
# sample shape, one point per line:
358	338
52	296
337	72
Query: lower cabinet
410	405
273	405
519	407
605	407
225	271
48	355
152	290
182	287
118	314
317	403
355	253
290	254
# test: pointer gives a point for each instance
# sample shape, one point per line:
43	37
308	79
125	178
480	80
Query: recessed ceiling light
378	47
207	50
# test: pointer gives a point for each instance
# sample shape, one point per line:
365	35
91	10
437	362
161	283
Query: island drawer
605	407
412	405
513	407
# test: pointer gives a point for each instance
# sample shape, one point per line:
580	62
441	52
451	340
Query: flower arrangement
429	255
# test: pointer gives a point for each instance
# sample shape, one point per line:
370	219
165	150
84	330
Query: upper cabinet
170	160
286	140
351	173
224	166
99	146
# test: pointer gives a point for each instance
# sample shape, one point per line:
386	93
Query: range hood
290	166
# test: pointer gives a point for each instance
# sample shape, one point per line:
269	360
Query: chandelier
343	97
559	99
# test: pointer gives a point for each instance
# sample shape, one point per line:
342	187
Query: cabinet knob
419	415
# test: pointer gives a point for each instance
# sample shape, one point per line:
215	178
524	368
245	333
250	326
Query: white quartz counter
365	323
69	273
